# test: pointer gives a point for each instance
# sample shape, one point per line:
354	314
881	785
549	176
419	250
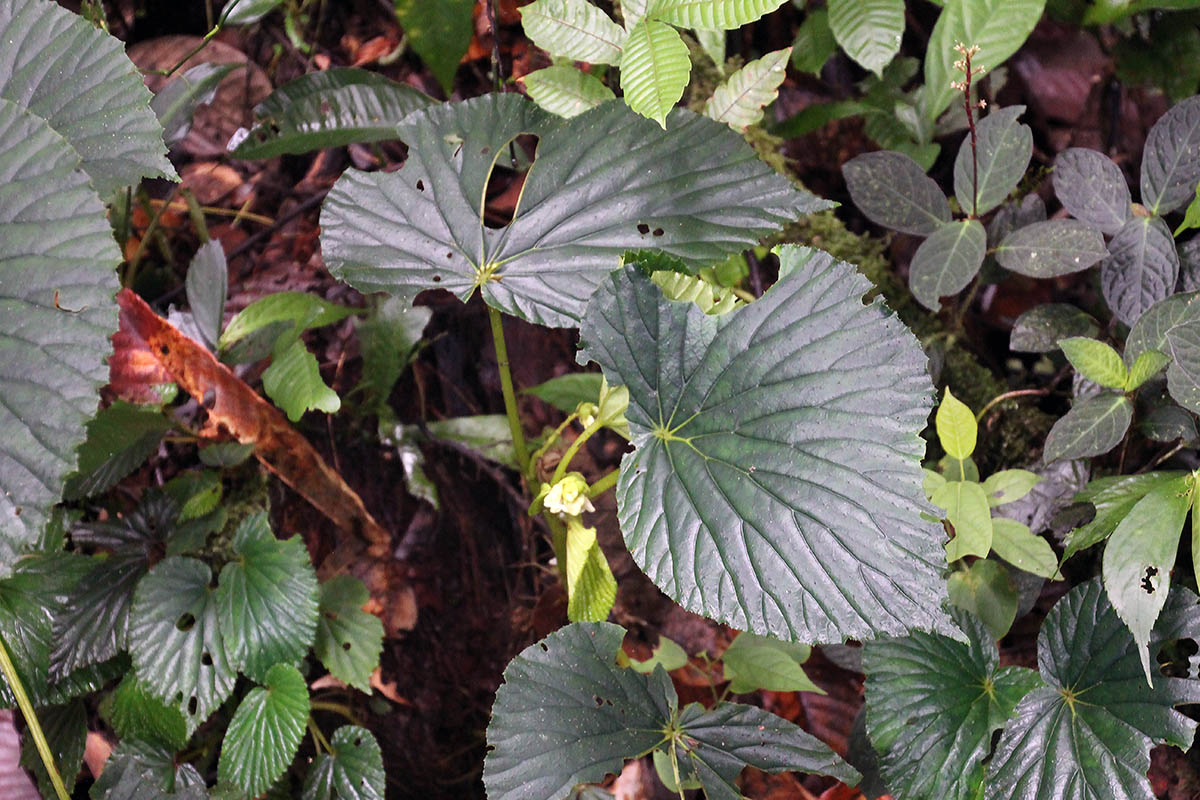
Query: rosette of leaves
892	190
566	714
774	483
1082	727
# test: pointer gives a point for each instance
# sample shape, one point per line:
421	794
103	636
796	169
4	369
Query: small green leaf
487	434
1113	498
755	662
176	102
267	599
352	771
1092	188
137	714
574	29
956	427
591	587
814	42
265	731
986	590
667	654
992	165
1096	361
1146	367
654	69
293	381
1139	557
1009	485
119	440
868	30
207	284
566	90
566	392
1092	427
440	33
740	100
1142	268
966	508
300	309
893	191
1191	217
225	454
196	491
348	639
947	261
1016	544
389	340
711	15
715	300
1051	248
1171	158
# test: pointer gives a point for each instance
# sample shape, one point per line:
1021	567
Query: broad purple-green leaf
603	182
1039	329
1051	248
1151	329
1087	735
947	261
1092	427
893	191
774	483
1183	376
1141	269
1171	158
1092	188
1002	152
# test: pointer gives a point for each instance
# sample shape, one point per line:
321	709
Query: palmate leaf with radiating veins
604	182
352	771
775	483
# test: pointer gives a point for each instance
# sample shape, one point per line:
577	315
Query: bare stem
35	729
510	396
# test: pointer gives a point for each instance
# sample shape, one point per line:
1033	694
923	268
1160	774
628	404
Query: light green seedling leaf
814	42
440	33
986	590
1092	188
1191	217
1009	485
176	102
1142	268
893	190
1146	367
567	714
712	466
574	29
267	599
665	768
1092	427
933	705
119	440
486	434
1171	158
566	90
947	261
868	30
956	427
303	310
591	587
1039	329
1096	361
715	300
1139	557
566	392
348	639
1096	705
654	69
966	508
332	108
755	662
1113	498
353	770
959	469
1002	152
293	381
932	482
711	15
667	654
1051	248
265	731
740	100
1016	544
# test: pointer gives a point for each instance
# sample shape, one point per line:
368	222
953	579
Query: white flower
569	496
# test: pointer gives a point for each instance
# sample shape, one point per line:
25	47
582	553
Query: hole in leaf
643	228
1147	580
193	706
597	700
420	185
437	278
185	622
164	349
506	180
544	647
346	646
325	108
658	231
358	741
206	659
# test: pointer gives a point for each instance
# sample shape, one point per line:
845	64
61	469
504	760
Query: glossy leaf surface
265	731
353	771
1039	329
1093	426
1171	158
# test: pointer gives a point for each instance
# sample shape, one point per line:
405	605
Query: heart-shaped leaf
711	15
1092	188
1171	158
763	437
604	182
565	90
353	770
265	731
947	261
1039	329
868	30
567	714
1002	151
1088	733
892	190
77	78
739	101
1141	269
932	706
267	599
654	69
349	640
1051	248
574	29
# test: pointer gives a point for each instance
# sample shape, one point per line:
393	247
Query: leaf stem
319	740
561	470
336	708
1000	398
510	396
35	729
550	440
604	484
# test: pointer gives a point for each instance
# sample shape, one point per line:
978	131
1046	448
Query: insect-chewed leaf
1171	158
353	770
1091	187
1141	269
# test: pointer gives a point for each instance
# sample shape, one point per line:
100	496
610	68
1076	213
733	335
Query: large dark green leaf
267	599
1087	735
1141	269
604	182
1171	158
567	714
1093	426
175	640
137	714
893	191
947	261
1092	188
933	705
119	440
352	771
1002	150
77	78
57	257
329	109
775	482
265	731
